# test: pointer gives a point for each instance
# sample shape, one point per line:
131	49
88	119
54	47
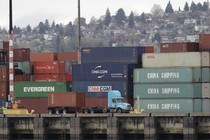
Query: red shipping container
68	77
63	56
4	89
4	76
37	104
49	77
21	54
149	49
47	67
5	44
204	42
179	47
22	77
44	56
66	99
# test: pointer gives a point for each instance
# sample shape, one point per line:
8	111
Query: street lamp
11	65
79	36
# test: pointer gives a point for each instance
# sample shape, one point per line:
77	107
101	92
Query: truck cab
116	102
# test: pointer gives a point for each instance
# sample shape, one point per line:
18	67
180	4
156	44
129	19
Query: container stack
204	45
103	69
171	82
22	69
49	74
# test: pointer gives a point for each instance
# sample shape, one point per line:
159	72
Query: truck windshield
120	100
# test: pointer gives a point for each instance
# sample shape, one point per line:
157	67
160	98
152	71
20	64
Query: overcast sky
32	12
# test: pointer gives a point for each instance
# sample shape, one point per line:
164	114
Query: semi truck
74	102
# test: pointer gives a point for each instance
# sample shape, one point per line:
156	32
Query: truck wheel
50	111
64	111
104	110
119	110
57	111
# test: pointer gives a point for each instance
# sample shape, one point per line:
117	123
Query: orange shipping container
63	56
44	56
66	99
49	77
47	67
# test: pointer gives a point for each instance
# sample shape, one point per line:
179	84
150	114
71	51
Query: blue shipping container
2	102
102	71
112	54
101	88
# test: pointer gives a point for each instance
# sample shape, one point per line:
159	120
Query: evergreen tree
120	17
193	6
53	25
142	18
108	18
186	7
47	25
157	38
41	27
28	28
205	6
131	23
199	6
169	8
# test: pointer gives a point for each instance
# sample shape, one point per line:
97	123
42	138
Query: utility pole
79	36
11	65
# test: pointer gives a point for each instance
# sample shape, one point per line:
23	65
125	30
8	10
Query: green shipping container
169	105
166	75
205	75
39	89
186	90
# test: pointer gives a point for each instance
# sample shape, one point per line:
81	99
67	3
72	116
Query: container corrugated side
204	42
4	90
169	105
100	88
161	91
47	67
39	89
205	105
44	56
167	75
205	90
206	75
184	59
66	99
39	105
179	47
112	54
102	71
2	102
63	56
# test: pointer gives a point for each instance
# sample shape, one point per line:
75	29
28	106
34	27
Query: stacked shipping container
49	74
172	82
104	69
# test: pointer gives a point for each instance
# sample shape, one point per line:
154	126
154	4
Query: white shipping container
183	59
205	90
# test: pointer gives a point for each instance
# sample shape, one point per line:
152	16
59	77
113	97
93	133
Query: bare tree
157	11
